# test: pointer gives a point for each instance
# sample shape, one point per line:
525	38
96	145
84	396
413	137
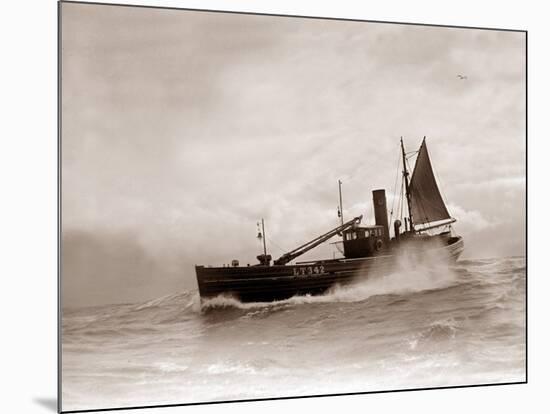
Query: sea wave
417	327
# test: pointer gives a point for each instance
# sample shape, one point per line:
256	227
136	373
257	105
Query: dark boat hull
270	283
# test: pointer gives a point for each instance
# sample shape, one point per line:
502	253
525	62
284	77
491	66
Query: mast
407	190
263	238
341	211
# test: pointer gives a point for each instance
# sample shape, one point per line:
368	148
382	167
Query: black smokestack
381	212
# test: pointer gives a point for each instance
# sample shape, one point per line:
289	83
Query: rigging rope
420	201
401	202
276	245
395	186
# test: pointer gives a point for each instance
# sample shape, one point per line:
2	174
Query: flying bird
462	77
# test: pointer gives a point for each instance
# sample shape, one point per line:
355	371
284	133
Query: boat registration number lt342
308	270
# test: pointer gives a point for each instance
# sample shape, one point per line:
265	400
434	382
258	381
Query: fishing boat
422	234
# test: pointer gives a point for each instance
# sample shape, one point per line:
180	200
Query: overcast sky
180	130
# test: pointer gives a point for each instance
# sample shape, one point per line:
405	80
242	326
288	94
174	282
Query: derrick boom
293	254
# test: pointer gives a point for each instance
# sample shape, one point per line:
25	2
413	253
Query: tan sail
426	203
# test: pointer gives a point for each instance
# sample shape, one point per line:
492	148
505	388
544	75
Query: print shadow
49	403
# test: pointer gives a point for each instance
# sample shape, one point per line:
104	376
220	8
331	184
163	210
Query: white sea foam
171	367
229	368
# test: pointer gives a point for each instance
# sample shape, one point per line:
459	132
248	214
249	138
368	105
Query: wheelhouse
362	241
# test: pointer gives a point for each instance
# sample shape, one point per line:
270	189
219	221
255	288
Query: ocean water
426	327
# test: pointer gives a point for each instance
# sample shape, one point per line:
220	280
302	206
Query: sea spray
408	275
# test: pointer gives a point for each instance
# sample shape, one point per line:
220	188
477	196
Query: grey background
181	129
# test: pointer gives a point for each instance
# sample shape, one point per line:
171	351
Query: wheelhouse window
352	235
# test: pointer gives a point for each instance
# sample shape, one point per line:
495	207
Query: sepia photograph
260	206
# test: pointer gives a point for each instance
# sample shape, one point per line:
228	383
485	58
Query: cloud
471	221
103	268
